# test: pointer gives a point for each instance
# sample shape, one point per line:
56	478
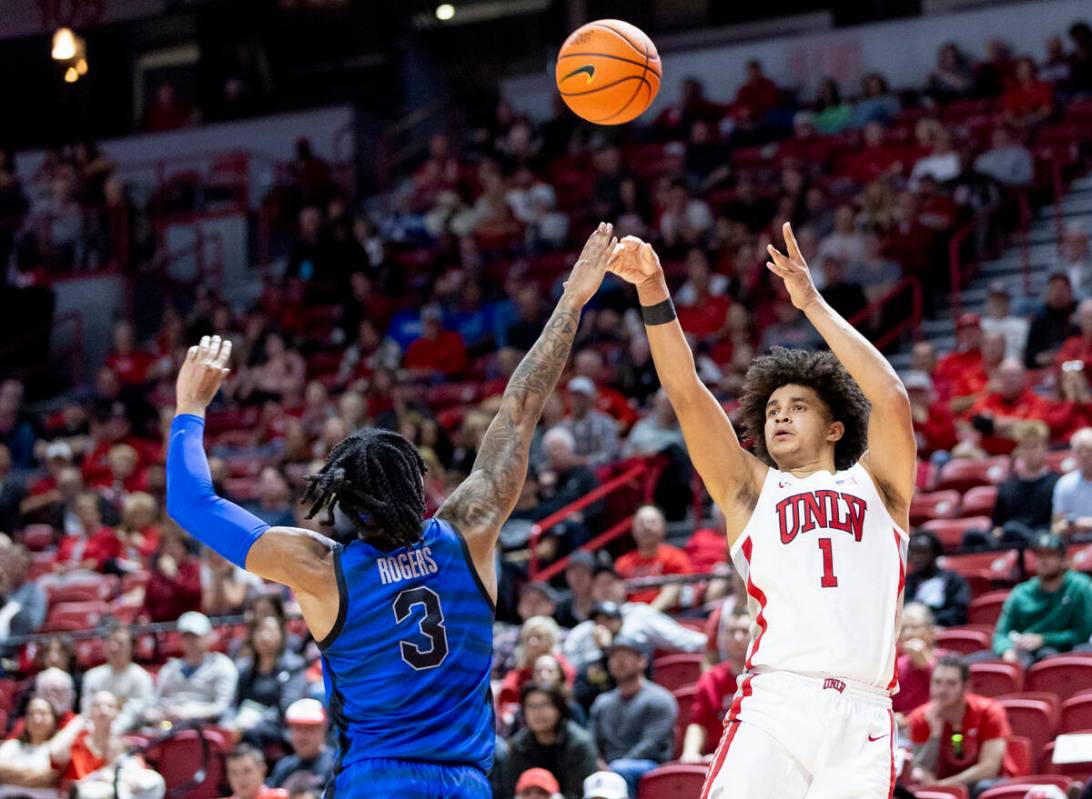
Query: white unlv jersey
824	565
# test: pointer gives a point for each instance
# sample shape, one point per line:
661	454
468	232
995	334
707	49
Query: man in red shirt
758	94
437	351
967	355
934	423
715	690
653	558
1012	401
959	738
246	771
970	385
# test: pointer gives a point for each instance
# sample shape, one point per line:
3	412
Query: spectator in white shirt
1076	260
1072	505
200	685
685	219
943	164
699	275
1007	161
1000	319
119	675
844	242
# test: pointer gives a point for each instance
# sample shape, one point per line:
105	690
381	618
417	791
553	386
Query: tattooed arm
482	503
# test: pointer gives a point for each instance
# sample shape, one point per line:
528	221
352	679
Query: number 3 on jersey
829	579
431	627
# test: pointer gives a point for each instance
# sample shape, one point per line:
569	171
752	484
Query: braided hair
375	477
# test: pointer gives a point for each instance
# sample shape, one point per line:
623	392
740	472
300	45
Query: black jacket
571	759
953	590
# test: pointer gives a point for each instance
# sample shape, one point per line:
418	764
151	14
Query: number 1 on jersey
829	580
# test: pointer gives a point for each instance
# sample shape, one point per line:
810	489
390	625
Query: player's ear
835	431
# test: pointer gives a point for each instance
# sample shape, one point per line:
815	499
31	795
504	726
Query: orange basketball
608	72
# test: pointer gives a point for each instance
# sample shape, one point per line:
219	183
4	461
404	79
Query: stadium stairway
1009	268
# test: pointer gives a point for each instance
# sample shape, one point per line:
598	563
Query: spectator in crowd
1048	614
536	599
944	592
589	363
551	741
139	528
536	783
246	770
655	432
25	769
279	374
959	738
845	296
200	685
575	606
1010	402
916	657
593	678
934	423
438	352
640	622
1006	161
877	103
758	94
566	478
274	505
1024	501
1028	100
606	785
633	724
715	691
95	547
225	588
1072	501
175	583
311	764
24	602
123	678
653	558
942	164
539	635
595	434
1051	325
844	242
972	384
1078	347
1073	408
791	329
1076	261
12	493
269	681
685	221
1000	319
952	77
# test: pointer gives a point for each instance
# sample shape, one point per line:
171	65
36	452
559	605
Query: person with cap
593	677
595	434
1071	504
943	591
438	352
200	685
1052	324
1000	319
576	605
536	783
583	644
551	740
653	558
633	724
997	412
967	355
606	785
973	383
1048	614
311	764
934	422
958	737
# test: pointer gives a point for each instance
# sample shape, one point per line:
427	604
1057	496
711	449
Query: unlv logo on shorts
823	510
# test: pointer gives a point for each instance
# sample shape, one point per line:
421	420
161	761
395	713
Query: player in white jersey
816	522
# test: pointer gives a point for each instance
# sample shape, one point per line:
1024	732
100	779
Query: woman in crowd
269	681
539	635
24	761
175	583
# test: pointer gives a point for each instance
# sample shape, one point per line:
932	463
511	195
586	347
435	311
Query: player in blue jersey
403	607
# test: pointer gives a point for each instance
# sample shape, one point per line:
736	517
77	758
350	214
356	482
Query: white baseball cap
305	712
195	623
605	785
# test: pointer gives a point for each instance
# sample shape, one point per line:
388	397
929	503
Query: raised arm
482	503
298	558
732	475
891	458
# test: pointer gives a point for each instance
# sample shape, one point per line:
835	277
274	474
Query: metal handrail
913	321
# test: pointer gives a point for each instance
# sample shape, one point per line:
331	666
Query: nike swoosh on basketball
878	737
587	69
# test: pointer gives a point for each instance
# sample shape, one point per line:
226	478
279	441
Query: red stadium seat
1016	790
999	565
963	640
1032	718
181	760
1076	713
937	505
996	678
941	792
1064	675
75	616
1081	770
673	781
1059	780
979	501
90	652
963	474
1051	699
7	692
676	671
950	531
1062	461
987	608
684	698
92	588
39	537
1019	749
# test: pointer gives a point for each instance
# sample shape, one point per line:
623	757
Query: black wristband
659	314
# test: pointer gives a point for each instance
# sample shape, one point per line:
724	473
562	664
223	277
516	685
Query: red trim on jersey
759	596
891	789
731	724
893	685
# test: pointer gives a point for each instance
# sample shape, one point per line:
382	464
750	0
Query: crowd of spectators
417	313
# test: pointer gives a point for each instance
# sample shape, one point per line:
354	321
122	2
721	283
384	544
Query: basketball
608	72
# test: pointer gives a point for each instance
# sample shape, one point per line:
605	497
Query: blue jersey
408	662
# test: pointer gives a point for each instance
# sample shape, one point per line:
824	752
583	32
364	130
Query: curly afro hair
819	371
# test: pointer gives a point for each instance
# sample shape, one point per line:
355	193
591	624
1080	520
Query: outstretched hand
201	374
635	261
591	266
793	269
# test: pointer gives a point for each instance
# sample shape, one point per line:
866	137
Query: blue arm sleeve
191	501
